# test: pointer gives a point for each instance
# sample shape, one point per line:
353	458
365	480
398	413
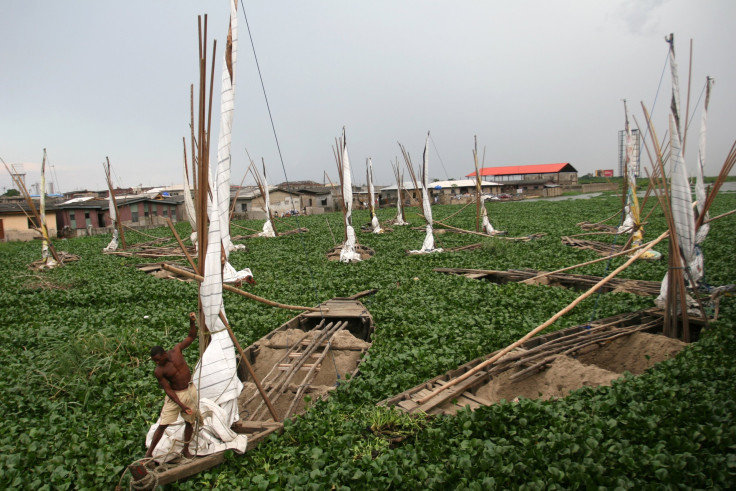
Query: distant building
523	179
86	216
443	190
15	223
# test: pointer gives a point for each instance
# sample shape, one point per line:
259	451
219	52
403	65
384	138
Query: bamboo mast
36	217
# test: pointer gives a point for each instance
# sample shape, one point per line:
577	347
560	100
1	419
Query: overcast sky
536	81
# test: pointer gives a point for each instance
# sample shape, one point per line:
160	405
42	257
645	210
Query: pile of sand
342	359
594	366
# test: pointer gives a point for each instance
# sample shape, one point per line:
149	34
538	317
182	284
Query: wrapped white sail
215	437
428	244
486	223
703	230
189	208
681	201
221	198
48	259
399	220
631	208
348	252
682	209
372	195
268	230
215	375
113	245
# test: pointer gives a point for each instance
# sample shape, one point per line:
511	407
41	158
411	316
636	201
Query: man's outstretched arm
192	335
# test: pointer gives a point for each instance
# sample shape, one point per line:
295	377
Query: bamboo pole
720	216
181	245
197	277
541	327
460	229
249	367
31	205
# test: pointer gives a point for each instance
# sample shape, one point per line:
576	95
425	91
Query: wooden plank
407	404
453	392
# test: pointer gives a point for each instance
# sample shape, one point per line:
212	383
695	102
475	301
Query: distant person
174	376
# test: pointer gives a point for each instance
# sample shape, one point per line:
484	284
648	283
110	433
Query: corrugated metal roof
512	170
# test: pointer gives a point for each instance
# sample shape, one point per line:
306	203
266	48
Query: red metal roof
525	169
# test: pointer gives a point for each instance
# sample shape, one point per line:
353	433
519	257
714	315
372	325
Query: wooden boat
574	281
310	355
530	358
599	227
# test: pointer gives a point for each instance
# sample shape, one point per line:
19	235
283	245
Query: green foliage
79	394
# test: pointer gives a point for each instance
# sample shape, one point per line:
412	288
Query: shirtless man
172	373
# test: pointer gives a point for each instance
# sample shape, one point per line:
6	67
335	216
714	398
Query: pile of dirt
563	375
594	366
634	353
338	362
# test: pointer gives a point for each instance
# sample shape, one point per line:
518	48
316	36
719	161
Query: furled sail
222	176
681	201
47	258
486	223
268	230
189	207
703	230
113	245
428	244
632	221
348	252
215	375
372	196
399	220
682	208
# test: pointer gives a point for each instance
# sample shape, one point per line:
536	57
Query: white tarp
372	196
428	244
348	252
214	436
